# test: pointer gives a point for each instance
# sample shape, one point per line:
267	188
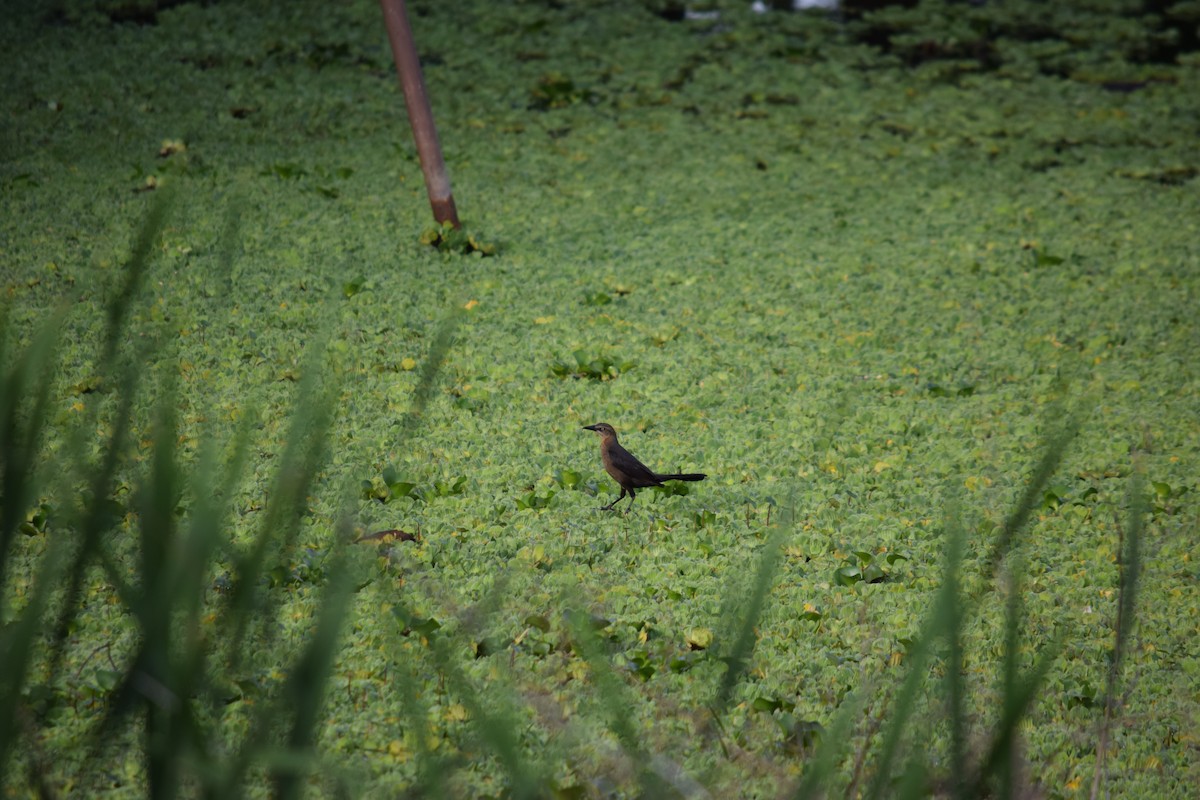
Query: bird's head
602	429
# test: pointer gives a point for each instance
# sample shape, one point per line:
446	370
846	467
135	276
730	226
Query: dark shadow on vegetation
1064	36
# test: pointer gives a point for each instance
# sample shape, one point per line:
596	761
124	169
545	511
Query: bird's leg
632	495
614	502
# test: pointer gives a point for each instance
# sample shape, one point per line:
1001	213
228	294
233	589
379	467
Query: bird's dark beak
589	427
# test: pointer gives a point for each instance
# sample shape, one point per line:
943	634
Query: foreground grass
859	296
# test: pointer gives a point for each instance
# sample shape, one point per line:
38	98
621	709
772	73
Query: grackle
626	470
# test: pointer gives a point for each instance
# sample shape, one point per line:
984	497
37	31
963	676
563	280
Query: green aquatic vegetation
558	91
597	366
858	269
458	240
864	565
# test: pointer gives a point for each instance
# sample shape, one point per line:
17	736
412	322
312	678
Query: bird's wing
636	472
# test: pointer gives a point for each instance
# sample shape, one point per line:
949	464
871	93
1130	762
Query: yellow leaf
170	147
471	304
698	638
408	364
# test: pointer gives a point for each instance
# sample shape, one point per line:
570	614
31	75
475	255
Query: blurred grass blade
24	391
914	782
1130	565
303	451
737	658
432	769
1129	568
1009	669
203	539
952	630
494	722
443	339
151	682
94	518
229	241
17	639
1031	498
940	622
497	728
155	607
587	644
815	781
613	700
182	743
135	271
1015	708
309	676
902	715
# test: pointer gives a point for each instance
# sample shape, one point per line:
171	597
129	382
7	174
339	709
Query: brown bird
626	470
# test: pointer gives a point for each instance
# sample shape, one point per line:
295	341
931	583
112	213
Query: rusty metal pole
420	117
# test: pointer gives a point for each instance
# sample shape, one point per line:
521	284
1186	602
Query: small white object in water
759	7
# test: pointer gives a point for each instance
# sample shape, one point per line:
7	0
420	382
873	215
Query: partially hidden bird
626	470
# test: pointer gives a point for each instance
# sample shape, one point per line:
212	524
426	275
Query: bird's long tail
685	476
